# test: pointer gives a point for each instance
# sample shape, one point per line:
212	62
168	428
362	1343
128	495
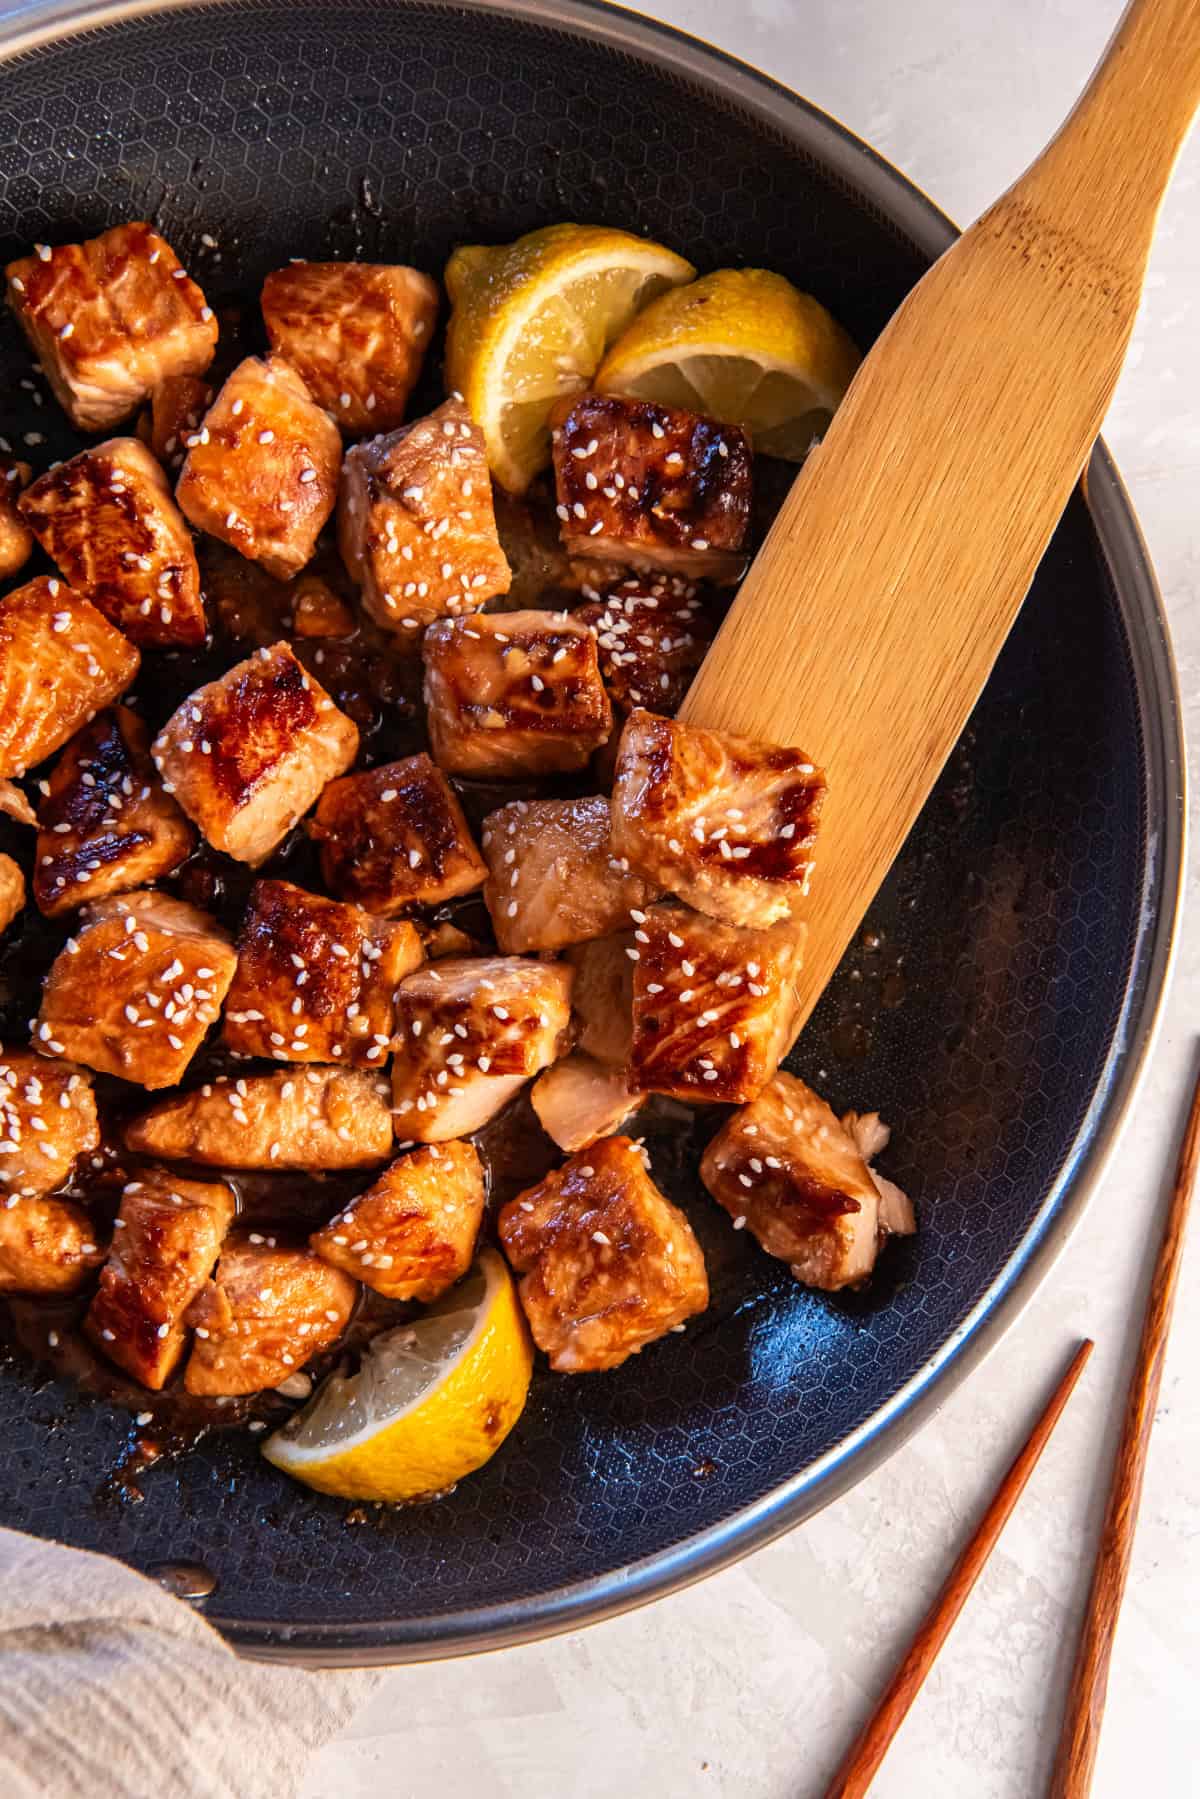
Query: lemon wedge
744	346
430	1403
530	322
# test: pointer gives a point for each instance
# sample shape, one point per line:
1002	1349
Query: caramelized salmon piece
416	526
602	997
109	319
304	1118
713	1005
177	409
609	1264
262	470
12	891
469	1034
46	1246
315	979
652	634
786	1170
246	755
265	1312
16	539
135	990
396	837
517	693
317	611
412	1234
47	1121
165	1240
60	661
105	824
553	877
725	822
107	518
579	1099
356	332
652	486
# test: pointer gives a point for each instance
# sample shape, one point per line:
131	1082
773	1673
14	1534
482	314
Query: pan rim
36	23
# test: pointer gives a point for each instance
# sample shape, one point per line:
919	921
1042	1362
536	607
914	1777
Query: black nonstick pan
998	1005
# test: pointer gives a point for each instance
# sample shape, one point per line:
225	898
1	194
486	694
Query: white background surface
753	1683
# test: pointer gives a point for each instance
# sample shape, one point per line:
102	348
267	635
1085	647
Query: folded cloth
111	1687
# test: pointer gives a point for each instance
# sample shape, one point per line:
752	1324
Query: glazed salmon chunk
16	539
786	1170
12	891
412	1234
608	1263
652	634
602	996
265	1312
248	754
580	1099
315	979
109	319
47	1121
307	1119
134	992
356	332
107	519
416	526
553	876
515	693
47	1246
105	825
166	1237
177	409
262	470
727	823
469	1033
713	1006
60	661
395	837
652	487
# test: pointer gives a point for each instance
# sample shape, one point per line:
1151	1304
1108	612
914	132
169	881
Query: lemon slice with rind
531	321
431	1402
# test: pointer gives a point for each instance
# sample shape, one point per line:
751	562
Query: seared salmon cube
469	1033
107	518
713	1006
135	990
246	755
46	1246
309	1119
357	332
652	634
109	319
177	409
262	470
265	1312
553	876
412	1234
16	539
416	525
609	1264
580	1099
786	1170
317	611
652	486
395	837
315	979
47	1121
105	824
602	997
166	1237
514	693
12	891
725	822
60	661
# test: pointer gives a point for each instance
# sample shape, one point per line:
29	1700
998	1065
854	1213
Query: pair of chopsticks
1080	1738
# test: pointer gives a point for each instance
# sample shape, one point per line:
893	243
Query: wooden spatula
872	616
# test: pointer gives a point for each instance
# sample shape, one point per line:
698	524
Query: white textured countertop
752	1683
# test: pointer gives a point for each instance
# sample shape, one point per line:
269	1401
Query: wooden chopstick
1080	1739
862	1764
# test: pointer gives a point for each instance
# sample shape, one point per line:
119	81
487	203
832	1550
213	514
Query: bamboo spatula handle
873	614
